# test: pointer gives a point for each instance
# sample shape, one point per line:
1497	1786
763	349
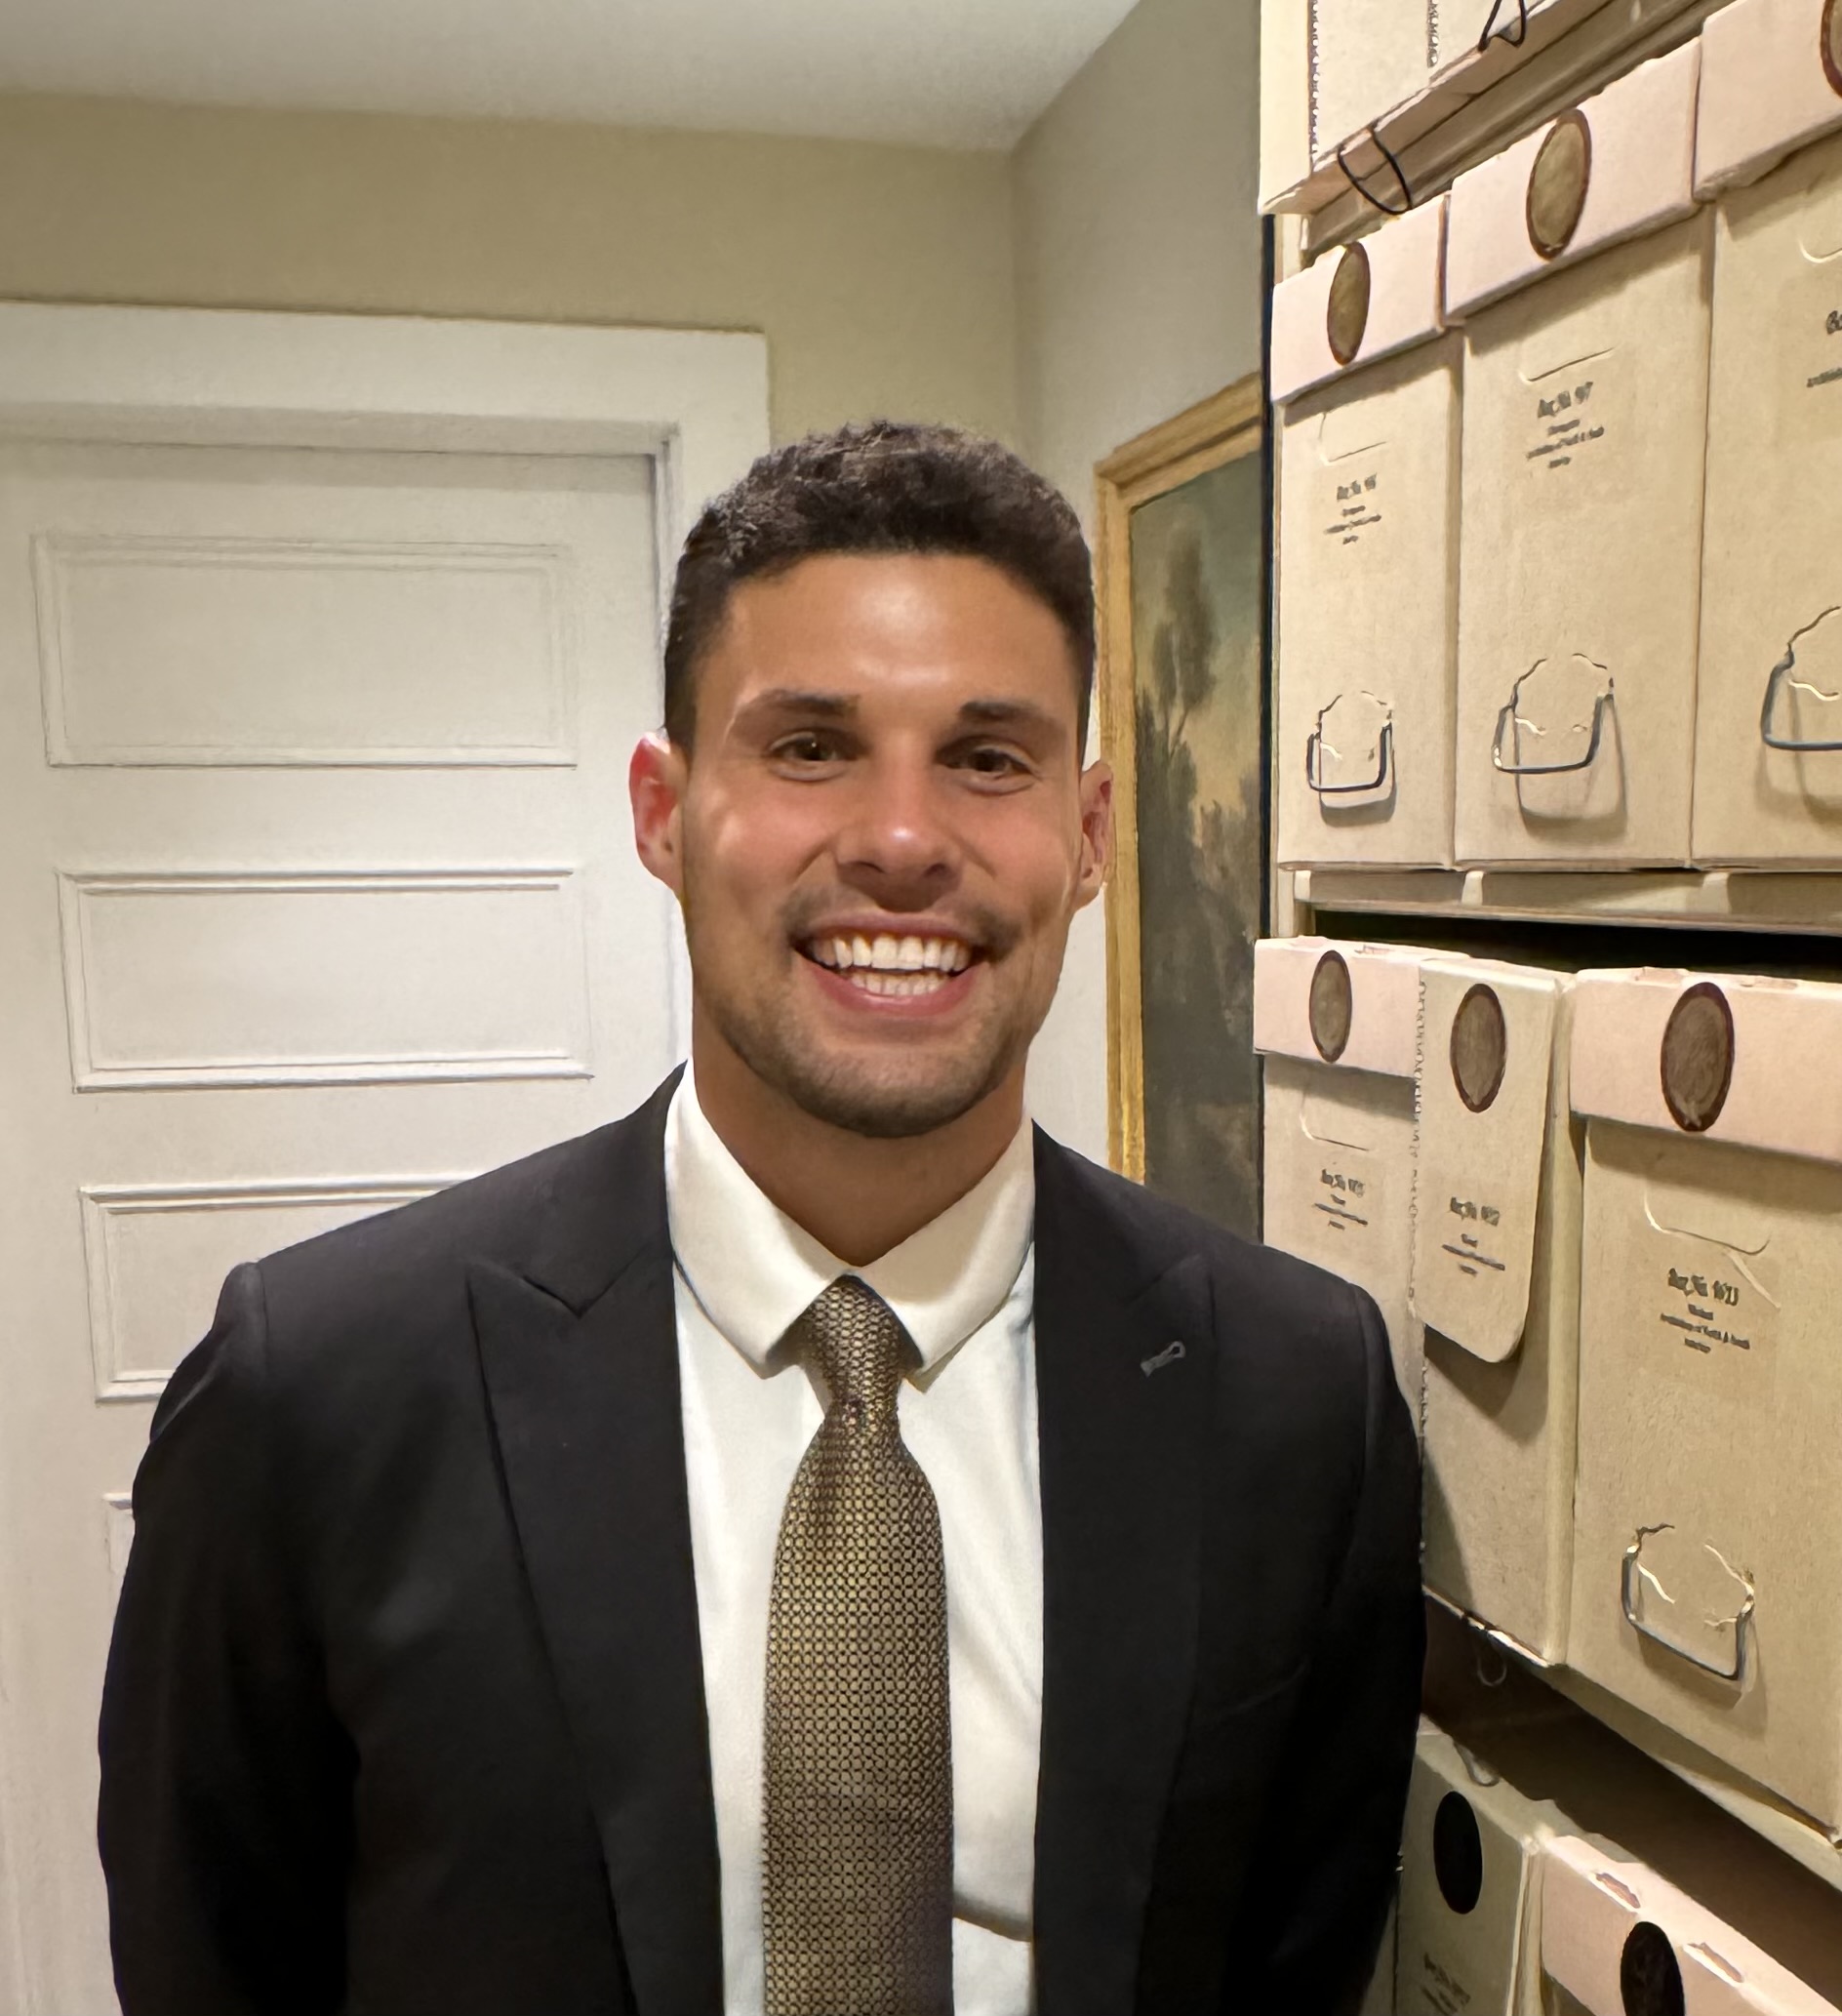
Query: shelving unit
1715	899
1478	107
1787	1830
1730	921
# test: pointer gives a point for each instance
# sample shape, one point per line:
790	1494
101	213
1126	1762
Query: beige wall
883	277
1138	294
1103	278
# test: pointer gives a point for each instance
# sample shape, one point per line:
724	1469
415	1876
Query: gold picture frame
1223	430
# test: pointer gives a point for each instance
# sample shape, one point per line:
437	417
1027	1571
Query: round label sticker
1480	1048
1458	1853
1832	45
1558	184
1698	1058
1330	1006
1347	317
1649	1979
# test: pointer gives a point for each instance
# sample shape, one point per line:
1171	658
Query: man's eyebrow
1009	713
791	700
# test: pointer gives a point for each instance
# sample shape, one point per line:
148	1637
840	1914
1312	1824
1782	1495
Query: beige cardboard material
1766	87
1338	1153
1611	1793
1460	1951
1641	177
1584	439
1285	98
1784	1095
1368	616
1384	996
1457	27
1368	57
1294	177
1405	275
1707	1526
1771	655
1496	1282
1598	1904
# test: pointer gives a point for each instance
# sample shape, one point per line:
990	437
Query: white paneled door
316	892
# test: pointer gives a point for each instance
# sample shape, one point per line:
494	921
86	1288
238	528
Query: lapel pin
1168	1356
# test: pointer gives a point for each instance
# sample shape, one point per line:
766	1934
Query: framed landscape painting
1182	561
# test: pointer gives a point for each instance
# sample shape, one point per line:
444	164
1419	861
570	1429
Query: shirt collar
753	1270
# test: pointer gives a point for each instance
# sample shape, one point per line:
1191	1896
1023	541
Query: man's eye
989	761
807	747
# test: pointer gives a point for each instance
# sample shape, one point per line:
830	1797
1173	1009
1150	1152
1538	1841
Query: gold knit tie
858	1848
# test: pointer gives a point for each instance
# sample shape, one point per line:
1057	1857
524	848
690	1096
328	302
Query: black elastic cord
1368	196
1491	29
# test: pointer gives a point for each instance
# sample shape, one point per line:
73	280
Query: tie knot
856	1339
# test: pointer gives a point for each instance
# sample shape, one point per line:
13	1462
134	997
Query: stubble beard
854	1095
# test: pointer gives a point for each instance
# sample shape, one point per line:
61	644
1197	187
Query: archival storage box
1336	1023
1619	166
1368	561
1495	1286
1584	431
1617	1938
1367	56
1361	302
1767	767
1468	1940
1464	31
1708	1524
1585	415
1770	83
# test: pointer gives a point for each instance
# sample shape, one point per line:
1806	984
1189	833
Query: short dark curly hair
879	487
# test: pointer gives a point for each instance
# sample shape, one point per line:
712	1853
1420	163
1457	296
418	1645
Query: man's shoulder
1164	1233
562	1216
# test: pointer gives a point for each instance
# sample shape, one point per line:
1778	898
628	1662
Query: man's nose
899	845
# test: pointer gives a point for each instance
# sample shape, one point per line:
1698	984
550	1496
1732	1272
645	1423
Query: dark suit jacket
405	1707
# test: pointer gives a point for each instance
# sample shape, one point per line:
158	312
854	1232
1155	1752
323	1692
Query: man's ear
656	779
1097	832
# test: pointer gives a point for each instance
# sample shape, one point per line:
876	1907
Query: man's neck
858	1195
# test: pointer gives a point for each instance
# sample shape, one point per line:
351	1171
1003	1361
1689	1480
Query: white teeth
918	957
893	985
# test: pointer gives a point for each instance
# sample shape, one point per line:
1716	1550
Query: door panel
316	892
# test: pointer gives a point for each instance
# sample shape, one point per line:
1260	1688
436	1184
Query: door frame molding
693	402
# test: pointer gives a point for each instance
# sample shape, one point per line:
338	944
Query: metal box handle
1504	720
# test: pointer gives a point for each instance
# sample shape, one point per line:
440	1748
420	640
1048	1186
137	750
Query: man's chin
880	1098
881	1110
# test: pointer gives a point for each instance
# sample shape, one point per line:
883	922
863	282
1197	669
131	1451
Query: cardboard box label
1809	370
1718	1311
1353	1190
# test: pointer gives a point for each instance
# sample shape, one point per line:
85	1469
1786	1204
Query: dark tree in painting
1201	846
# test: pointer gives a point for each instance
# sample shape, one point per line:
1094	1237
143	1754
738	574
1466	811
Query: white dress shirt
963	1288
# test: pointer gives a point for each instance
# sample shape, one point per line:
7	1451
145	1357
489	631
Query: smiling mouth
891	966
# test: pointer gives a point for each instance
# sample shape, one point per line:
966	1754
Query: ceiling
931	72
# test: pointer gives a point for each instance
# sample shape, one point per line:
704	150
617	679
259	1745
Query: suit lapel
1121	1449
579	1350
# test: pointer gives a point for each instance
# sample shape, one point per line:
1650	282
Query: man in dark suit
813	1546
